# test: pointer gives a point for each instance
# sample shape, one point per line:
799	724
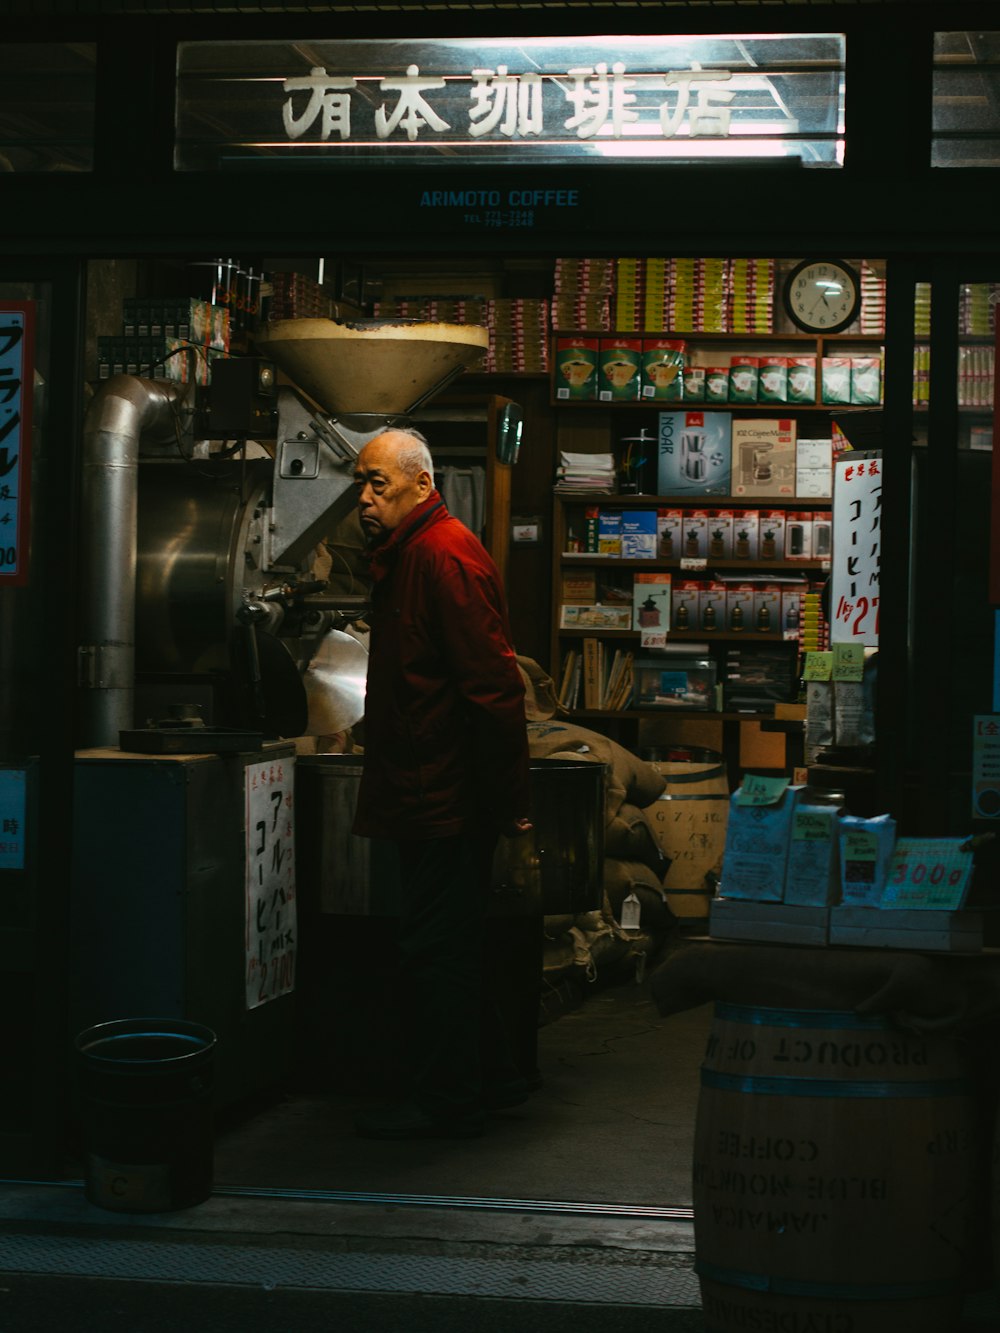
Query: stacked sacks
595	941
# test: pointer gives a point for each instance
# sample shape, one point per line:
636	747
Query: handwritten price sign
928	872
271	926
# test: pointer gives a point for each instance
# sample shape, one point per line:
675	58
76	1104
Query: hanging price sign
928	872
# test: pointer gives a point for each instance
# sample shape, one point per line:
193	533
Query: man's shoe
408	1121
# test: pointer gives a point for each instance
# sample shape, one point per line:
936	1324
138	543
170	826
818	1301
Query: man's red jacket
445	737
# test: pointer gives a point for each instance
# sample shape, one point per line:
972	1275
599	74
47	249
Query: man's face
385	494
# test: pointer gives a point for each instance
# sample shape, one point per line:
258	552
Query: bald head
393	475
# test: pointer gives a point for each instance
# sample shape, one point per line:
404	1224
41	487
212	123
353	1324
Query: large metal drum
557	867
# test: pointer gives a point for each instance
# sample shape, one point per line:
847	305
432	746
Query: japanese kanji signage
17	345
511	100
986	766
13	806
271	927
857	545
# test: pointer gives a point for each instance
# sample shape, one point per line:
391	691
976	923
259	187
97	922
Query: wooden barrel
689	823
835	1174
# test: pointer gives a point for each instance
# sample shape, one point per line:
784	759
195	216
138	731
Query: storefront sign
17	346
986	766
497	101
857	545
13	806
271	926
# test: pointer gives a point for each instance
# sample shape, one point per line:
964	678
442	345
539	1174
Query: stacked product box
576	368
763	456
663	369
519	335
629	297
656	308
582	294
750	304
698	295
298	296
872	301
619	368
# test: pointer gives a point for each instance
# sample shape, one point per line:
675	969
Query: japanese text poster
16	382
857	545
271	933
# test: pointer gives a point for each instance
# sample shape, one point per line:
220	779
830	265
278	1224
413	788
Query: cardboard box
609	532
757	840
712	607
677	684
866	847
767	609
773	383
763	456
780	923
866	379
791	607
746	534
812	875
669	533
836	379
717	384
720	534
651	607
576	368
798	535
619	369
739	607
638	535
685	604
662	367
694	533
814	469
744	379
694	449
822	535
802	379
771	545
919	928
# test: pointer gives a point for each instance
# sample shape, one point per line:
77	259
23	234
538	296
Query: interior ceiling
66	8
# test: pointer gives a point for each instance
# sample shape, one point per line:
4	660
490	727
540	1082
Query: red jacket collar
384	555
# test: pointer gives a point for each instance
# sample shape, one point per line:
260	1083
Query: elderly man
445	773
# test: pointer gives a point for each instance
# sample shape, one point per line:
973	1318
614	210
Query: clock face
822	295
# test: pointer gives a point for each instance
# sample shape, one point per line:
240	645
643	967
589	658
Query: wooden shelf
738	409
676	635
615	500
822	566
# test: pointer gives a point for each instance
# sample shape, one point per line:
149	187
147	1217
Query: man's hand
517	827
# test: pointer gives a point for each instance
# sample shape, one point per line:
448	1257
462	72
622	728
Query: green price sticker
759	790
819	666
848	661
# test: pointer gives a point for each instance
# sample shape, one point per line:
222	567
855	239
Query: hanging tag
631	912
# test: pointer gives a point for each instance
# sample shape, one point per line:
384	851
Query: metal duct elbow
123	411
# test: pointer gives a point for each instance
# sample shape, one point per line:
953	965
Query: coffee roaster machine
208	644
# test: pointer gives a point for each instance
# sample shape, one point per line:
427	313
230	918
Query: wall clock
822	295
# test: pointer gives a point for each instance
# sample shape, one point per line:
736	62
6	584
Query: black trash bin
146	1110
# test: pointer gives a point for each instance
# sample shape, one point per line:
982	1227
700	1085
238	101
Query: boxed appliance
684	599
814	469
720	534
712	606
739	607
771	545
763	456
798	536
694	449
669	533
694	533
767	608
746	533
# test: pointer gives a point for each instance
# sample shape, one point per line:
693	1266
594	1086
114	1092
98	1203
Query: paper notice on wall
13	808
271	928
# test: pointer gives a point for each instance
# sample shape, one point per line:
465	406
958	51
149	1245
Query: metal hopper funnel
371	366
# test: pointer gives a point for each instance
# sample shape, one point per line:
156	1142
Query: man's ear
425	482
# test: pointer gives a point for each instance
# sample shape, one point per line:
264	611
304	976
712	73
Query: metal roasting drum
371	366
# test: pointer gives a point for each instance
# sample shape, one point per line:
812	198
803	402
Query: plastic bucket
146	1108
689	823
836	1168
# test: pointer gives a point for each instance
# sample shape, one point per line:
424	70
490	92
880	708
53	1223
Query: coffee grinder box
669	533
662	369
620	369
758	835
712	606
744	378
746	534
801	379
739	607
791	608
720	534
694	449
763	456
772	534
576	368
767	608
694	534
684	599
812	874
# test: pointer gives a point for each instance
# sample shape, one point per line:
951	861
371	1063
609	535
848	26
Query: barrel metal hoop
772	1086
846	1291
823	1019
